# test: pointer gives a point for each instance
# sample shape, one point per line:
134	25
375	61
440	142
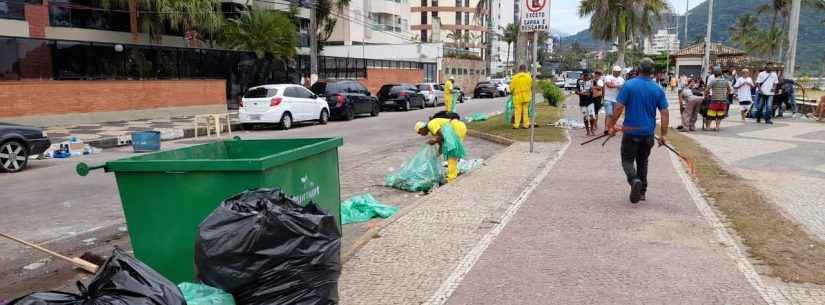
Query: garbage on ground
362	208
476	117
72	147
508	111
421	173
265	249
568	124
199	294
121	280
466	166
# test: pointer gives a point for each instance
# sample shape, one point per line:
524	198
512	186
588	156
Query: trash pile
466	166
73	147
568	124
257	248
421	173
362	208
476	117
266	249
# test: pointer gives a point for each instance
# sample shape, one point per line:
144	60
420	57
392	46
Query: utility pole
706	60
687	13
535	74
313	43
792	37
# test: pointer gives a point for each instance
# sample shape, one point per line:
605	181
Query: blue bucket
145	141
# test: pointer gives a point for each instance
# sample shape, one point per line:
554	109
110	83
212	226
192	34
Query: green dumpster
165	195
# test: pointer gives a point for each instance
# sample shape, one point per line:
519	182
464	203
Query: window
70	60
303	92
457	17
424	3
106	63
35	58
8	59
12	9
435	15
423	18
167	64
467	3
424	37
457	3
260	92
466	18
435	2
291	92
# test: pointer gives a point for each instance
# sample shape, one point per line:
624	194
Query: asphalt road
50	204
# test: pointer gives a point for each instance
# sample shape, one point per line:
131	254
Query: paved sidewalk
578	240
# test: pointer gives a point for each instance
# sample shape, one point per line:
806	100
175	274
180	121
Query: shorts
608	108
589	110
744	105
597	105
717	109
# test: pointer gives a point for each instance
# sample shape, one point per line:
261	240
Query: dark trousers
635	151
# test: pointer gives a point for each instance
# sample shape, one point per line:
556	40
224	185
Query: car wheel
435	102
349	114
13	156
375	110
423	104
324	118
406	105
286	121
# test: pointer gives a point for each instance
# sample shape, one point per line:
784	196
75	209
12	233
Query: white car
283	105
571	79
502	86
433	94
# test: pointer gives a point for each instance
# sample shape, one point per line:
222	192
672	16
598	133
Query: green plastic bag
421	173
455	102
508	111
452	147
198	294
475	117
363	208
466	166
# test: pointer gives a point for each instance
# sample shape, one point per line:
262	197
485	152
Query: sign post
535	18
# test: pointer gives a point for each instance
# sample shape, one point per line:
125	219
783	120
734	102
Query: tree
621	20
266	33
511	33
192	16
457	37
327	19
746	34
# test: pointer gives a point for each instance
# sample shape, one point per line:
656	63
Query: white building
373	22
663	42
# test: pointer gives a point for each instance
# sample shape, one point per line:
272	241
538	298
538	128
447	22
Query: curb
113	142
490	137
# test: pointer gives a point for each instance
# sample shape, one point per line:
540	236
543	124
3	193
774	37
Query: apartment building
458	26
663	42
373	22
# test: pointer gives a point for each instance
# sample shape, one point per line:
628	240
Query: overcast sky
565	18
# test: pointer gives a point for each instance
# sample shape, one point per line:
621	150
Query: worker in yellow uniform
521	87
448	132
449	105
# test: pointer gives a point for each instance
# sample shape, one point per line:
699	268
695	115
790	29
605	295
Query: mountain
811	45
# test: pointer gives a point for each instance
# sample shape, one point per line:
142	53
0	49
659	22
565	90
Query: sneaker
643	197
636	191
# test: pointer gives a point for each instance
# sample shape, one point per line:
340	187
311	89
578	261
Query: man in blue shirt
641	97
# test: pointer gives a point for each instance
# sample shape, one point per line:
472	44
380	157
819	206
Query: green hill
810	54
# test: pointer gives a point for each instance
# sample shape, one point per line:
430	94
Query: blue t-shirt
641	97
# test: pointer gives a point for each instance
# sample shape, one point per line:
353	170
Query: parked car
17	143
400	96
571	79
347	98
485	89
559	82
281	104
456	90
433	93
502	86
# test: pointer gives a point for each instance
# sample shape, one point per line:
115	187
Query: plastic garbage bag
452	146
475	117
121	280
199	294
466	166
568	124
508	111
266	249
363	208
421	173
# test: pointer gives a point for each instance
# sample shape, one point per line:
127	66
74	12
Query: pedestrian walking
766	81
521	87
448	133
584	89
718	88
612	84
673	82
690	109
640	98
785	98
449	105
683	82
598	96
743	88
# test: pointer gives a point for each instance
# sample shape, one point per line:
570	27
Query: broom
77	261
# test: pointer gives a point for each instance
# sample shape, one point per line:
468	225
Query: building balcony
389	7
450	27
416	9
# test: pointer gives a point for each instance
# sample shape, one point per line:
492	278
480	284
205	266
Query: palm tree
456	36
192	16
510	36
745	31
621	20
266	33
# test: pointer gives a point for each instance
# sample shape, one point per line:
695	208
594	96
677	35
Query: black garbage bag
266	249
122	280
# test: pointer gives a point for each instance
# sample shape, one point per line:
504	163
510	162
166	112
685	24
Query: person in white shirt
612	84
743	87
766	81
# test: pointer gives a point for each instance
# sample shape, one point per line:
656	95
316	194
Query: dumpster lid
229	155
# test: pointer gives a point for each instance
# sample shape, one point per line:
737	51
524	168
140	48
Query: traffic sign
535	15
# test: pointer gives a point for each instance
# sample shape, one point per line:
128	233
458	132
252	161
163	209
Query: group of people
761	98
595	92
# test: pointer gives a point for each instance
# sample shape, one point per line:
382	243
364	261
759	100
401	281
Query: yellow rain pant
452	169
522	114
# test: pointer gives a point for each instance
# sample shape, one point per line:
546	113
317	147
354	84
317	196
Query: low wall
74	102
379	77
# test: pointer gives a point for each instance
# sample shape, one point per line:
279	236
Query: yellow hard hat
419	125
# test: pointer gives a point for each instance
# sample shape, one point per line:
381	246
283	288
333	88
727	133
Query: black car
400	96
487	89
347	98
17	143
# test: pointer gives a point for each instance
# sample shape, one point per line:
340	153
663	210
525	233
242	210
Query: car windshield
573	75
479	85
324	88
387	88
424	87
260	93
